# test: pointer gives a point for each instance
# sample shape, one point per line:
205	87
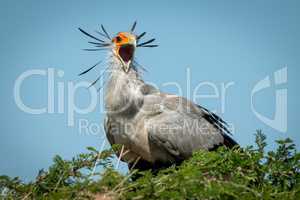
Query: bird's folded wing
182	127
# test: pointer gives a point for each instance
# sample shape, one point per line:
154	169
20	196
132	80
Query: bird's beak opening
126	53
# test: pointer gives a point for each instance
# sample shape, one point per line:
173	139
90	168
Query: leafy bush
239	173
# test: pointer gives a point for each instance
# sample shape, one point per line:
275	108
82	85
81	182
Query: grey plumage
159	128
156	129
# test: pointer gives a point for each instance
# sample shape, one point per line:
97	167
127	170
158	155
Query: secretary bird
155	129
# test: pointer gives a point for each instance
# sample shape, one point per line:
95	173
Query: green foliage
238	173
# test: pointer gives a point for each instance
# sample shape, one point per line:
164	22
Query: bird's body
158	128
155	129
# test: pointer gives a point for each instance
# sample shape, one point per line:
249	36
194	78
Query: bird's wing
179	127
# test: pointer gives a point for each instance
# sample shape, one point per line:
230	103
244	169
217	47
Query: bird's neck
123	90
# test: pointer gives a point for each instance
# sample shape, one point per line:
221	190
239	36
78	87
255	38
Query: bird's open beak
126	53
125	44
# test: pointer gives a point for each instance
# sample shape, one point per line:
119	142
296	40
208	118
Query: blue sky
221	42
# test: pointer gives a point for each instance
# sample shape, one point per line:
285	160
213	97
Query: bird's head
123	45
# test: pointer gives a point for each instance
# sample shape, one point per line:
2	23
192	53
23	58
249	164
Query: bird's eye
118	39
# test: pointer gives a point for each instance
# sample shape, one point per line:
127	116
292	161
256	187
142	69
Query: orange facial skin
125	44
123	38
120	39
